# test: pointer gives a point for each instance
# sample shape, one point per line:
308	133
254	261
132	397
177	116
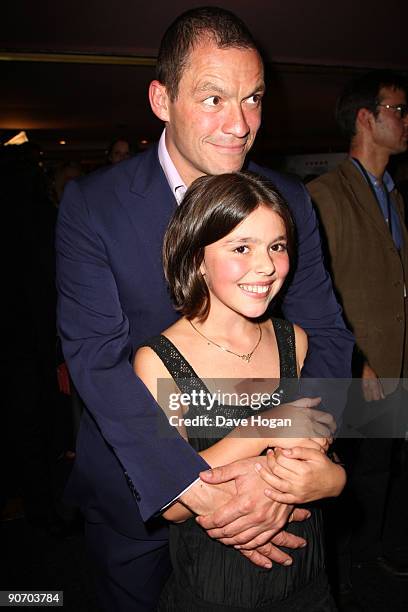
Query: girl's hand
300	475
320	444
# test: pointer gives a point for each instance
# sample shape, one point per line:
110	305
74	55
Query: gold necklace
245	357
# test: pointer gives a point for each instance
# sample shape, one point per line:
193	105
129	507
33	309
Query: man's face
212	124
120	151
390	131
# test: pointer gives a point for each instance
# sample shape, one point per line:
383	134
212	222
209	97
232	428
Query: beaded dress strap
285	338
182	372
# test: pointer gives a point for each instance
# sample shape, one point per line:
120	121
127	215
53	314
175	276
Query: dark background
97	88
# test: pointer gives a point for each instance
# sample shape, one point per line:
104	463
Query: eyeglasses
401	108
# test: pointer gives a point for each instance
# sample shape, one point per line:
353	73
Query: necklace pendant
245	357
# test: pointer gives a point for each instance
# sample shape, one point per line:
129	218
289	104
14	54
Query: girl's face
245	270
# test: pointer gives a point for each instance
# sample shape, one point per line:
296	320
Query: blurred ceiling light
18	139
144	142
62	142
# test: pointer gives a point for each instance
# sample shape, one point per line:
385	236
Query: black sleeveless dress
211	577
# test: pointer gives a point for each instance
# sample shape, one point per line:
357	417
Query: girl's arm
243	442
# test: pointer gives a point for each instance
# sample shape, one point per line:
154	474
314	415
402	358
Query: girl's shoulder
149	368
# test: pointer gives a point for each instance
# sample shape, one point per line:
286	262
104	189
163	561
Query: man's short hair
205	23
212	207
363	92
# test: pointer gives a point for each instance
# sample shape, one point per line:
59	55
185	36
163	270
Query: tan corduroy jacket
368	272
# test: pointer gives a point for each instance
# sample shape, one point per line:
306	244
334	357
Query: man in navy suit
112	296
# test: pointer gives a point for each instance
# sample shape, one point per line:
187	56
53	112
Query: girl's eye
241	249
279	247
212	101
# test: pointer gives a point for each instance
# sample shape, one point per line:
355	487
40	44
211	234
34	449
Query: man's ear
365	119
159	100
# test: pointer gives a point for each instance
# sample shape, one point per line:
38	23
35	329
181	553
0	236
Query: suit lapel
364	197
148	201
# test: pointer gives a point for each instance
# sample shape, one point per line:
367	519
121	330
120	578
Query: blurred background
74	74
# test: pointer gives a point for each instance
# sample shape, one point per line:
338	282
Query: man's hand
309	426
203	498
308	422
371	385
269	552
250	519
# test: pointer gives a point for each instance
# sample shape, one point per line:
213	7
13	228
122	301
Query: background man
118	150
362	216
208	92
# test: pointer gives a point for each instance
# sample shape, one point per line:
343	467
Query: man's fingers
322	416
242	530
221	474
242	535
284	538
325	418
248	539
300	514
226	515
251	540
275	554
320	430
257	558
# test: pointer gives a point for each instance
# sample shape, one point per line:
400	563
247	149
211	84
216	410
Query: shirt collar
175	181
387	179
388	182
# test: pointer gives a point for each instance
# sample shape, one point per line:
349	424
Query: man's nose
236	122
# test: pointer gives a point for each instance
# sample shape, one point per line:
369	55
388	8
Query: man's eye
212	101
255	99
241	249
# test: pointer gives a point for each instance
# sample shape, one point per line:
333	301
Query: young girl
226	257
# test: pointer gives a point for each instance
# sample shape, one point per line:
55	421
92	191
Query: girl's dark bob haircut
212	207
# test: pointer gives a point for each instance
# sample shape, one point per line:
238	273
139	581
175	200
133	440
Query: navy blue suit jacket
112	296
